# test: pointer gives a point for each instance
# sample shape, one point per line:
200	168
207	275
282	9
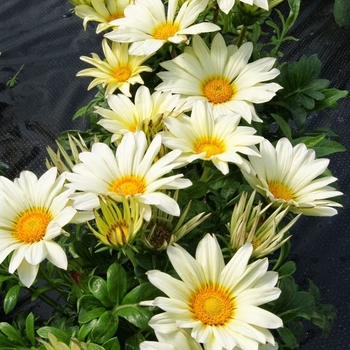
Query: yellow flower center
165	30
212	307
30	226
121	74
129	185
281	191
114	16
218	90
118	233
210	145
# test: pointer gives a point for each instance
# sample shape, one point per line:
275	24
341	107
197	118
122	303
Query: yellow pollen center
210	145
212	307
166	30
128	185
30	226
121	74
218	91
114	16
281	191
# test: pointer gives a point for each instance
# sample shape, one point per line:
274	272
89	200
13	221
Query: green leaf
30	331
58	333
5	341
326	147
287	269
145	291
137	315
88	302
11	298
105	327
283	125
309	141
85	317
133	343
112	344
92	346
12	333
86	329
98	288
331	96
288	338
116	283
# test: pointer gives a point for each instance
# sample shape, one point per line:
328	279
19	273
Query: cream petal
257	316
56	255
27	273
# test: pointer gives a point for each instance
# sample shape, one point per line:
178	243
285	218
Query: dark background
49	40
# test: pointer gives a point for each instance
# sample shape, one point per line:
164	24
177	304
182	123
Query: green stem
241	35
206	174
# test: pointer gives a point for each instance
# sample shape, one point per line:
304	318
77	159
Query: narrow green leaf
30	331
145	291
137	315
112	344
287	269
85	317
12	333
283	125
11	298
326	147
331	96
58	333
288	338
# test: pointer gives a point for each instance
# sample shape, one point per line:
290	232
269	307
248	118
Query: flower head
33	212
221	76
145	113
119	70
219	304
101	11
117	227
290	176
147	27
202	136
254	225
132	171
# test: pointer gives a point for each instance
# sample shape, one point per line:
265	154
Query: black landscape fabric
45	37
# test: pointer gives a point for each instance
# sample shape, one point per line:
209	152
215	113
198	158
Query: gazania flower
253	225
119	70
219	304
147	27
101	11
226	5
33	212
117	228
146	112
201	136
222	76
291	176
131	172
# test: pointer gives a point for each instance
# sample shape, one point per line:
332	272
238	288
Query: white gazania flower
202	136
226	5
119	70
132	171
102	11
147	28
219	304
33	212
291	176
146	111
222	76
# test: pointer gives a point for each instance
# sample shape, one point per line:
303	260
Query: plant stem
241	35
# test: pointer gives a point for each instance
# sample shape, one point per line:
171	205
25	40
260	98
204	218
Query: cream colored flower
291	176
133	171
33	213
201	136
145	113
101	11
118	70
221	76
55	344
218	304
147	28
